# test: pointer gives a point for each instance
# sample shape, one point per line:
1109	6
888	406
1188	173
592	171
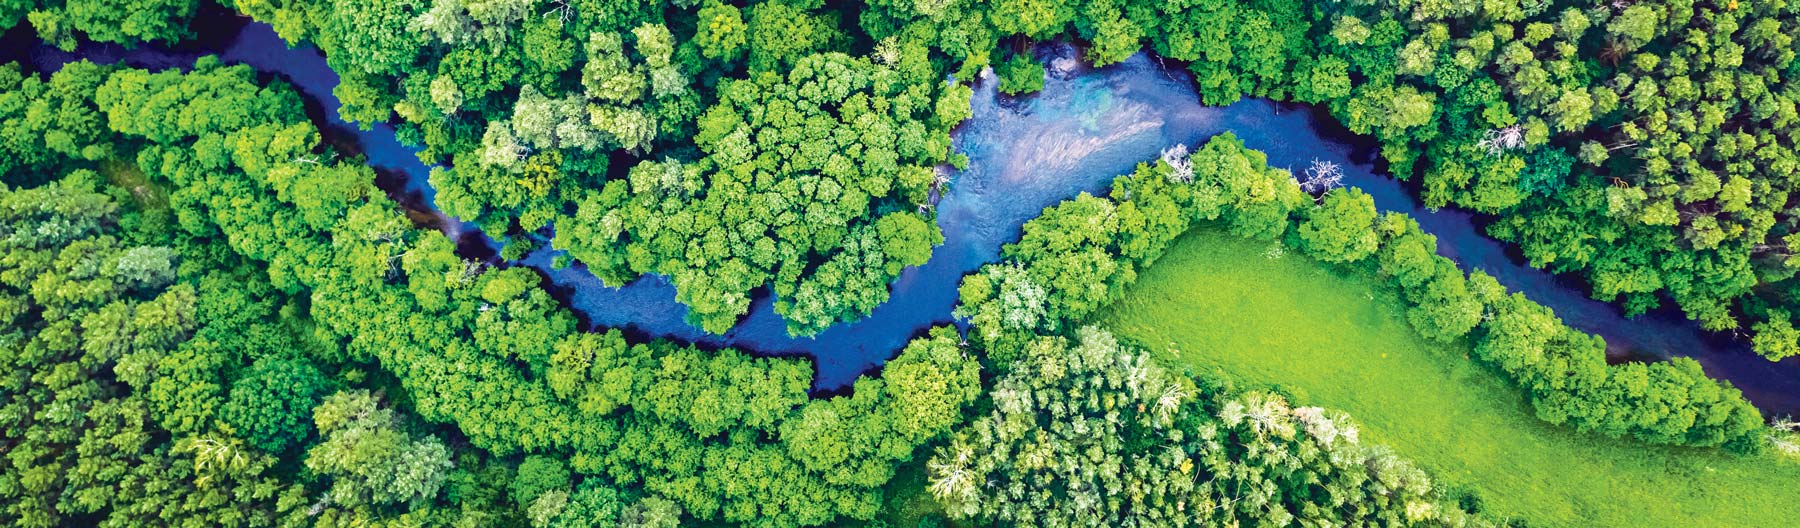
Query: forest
219	312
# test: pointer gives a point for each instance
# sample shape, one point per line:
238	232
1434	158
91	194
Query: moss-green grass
1338	339
907	502
145	194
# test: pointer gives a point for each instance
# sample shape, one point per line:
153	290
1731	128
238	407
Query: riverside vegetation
1340	338
215	317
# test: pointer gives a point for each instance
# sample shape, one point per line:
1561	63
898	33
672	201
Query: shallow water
1088	126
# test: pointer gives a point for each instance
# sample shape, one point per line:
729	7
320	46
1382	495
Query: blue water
1086	127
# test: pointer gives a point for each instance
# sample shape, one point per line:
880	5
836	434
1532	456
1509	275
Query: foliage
1680	113
49	123
82	445
65	23
1091	433
1676	109
369	458
1079	250
1021	75
695	434
271	406
811	181
1342	228
158	357
1338	337
529	165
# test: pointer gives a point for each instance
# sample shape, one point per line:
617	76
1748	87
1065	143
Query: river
1086	127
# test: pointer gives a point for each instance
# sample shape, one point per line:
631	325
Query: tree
65	126
721	32
780	34
1021	75
1088	432
1037	19
1341	229
129	23
810	181
538	476
94	316
1444	309
1776	338
461	23
1001	302
1115	39
1633	27
929	383
1255	199
271	406
970	474
379	32
369	458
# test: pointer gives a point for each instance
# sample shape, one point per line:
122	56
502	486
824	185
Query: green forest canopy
1639	144
203	332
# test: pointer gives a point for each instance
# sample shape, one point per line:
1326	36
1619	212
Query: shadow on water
1086	127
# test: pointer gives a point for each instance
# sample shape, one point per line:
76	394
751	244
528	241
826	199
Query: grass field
1335	339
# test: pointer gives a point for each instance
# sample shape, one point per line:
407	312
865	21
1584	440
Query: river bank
1085	127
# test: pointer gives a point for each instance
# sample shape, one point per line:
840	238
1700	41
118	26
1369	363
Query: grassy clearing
147	195
1339	340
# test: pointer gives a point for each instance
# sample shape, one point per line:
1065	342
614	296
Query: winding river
1088	126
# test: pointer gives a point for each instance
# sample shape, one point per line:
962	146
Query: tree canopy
214	316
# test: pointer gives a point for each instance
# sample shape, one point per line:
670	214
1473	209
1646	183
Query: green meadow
1339	339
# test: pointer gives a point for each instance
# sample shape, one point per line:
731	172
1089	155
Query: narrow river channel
1086	127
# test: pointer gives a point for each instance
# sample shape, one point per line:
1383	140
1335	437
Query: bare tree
1168	401
1785	437
1177	158
1261	412
561	10
1322	176
1501	140
887	51
952	476
470	270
